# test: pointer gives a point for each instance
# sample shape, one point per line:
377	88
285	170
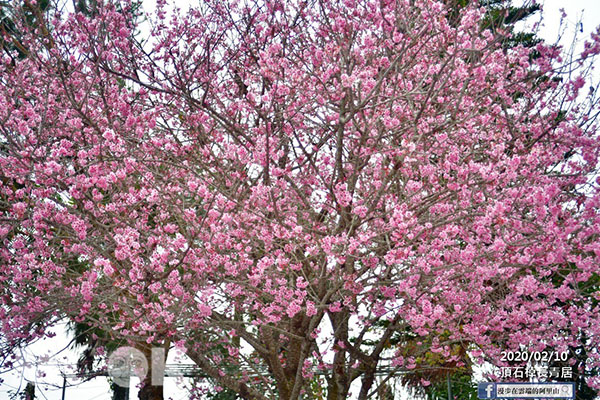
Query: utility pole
64	387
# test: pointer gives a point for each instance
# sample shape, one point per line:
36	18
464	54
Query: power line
193	371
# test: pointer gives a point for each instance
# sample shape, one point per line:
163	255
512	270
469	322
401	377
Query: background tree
31	15
313	178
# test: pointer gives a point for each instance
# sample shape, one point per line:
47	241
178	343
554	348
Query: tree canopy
292	188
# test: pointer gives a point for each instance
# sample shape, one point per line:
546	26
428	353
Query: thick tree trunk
150	389
150	392
339	384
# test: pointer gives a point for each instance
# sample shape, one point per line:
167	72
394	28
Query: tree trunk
339	384
151	390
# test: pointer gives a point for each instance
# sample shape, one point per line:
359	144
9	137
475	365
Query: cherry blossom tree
297	190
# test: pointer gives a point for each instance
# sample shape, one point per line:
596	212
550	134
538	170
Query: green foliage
11	16
501	18
26	394
225	394
89	338
87	8
461	387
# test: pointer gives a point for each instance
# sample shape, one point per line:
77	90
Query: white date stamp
534	356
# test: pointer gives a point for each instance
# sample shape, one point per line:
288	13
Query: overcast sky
588	11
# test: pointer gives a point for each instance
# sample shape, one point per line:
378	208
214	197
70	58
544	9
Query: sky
586	10
581	15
